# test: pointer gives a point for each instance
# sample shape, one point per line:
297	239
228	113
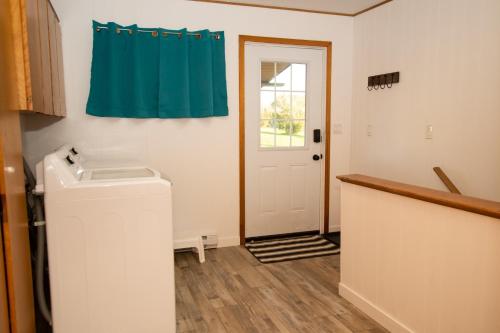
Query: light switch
369	130
338	128
428	132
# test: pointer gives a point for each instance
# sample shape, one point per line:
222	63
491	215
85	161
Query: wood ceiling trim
371	7
294	9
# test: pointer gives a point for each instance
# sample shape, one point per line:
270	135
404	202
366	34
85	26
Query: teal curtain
157	73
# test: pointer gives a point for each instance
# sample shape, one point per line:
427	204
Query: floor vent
210	241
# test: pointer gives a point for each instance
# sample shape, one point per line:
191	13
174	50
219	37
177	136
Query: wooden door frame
328	97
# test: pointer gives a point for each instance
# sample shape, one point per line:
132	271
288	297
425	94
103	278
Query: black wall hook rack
382	80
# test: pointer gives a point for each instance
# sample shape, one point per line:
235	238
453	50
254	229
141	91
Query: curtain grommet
118	31
197	36
154	33
164	34
97	29
179	35
217	37
130	31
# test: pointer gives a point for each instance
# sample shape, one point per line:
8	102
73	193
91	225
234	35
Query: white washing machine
110	247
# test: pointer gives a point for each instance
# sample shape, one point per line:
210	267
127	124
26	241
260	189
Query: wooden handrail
446	181
454	200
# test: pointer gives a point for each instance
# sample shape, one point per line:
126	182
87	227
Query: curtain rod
154	33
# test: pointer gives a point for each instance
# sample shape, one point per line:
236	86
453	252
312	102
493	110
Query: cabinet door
43	18
62	95
39	55
56	64
37	39
21	55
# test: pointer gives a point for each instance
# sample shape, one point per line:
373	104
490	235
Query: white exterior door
284	105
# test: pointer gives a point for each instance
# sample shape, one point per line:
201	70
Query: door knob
317	157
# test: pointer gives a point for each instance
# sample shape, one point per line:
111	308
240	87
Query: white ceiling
348	7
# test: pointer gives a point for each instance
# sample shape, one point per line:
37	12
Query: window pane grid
282	116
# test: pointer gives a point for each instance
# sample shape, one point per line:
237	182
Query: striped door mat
291	248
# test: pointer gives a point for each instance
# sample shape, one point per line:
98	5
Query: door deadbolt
317	135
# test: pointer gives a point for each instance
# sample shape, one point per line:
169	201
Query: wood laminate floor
232	292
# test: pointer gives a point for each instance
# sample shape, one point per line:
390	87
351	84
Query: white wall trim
228	241
383	318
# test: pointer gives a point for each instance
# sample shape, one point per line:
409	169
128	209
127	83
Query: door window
282	105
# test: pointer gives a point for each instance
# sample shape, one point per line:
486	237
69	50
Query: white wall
415	266
199	155
448	53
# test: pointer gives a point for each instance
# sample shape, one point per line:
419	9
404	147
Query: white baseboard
228	241
185	243
383	318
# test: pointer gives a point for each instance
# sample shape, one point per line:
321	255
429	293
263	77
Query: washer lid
119	173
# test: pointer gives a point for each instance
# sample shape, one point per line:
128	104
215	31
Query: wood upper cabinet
39	57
